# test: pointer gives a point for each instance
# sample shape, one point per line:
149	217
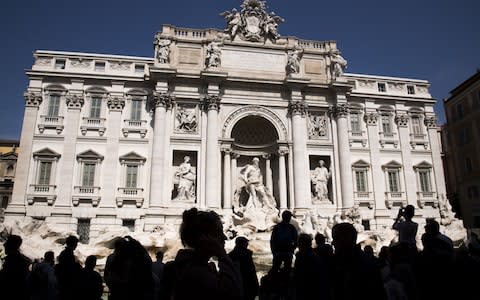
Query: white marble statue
213	56
338	64
293	61
259	195
163	51
320	177
234	21
186	181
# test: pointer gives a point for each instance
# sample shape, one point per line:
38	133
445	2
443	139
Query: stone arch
254	110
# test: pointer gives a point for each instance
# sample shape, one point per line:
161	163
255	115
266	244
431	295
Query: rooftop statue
252	23
338	64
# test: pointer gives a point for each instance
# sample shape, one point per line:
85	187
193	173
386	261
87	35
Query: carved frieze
43	61
120	65
401	120
116	103
430	121
163	100
252	23
317	125
297	108
75	101
211	102
80	63
32	99
371	118
186	119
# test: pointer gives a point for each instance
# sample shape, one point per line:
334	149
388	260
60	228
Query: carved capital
227	149
163	100
297	108
115	103
401	120
431	121
32	99
211	102
371	118
234	155
75	101
340	110
283	151
266	156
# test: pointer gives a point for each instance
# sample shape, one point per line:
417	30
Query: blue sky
436	40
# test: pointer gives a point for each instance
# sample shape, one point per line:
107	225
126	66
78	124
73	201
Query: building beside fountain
110	141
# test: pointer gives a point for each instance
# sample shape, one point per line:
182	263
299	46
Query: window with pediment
392	174
45	161
360	172
89	165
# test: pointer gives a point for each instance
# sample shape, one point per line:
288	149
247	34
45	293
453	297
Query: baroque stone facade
133	141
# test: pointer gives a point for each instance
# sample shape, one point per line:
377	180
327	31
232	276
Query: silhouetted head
286	216
432	227
49	257
241	242
197	224
368	250
319	239
409	212
159	255
304	242
344	238
13	244
90	262
71	242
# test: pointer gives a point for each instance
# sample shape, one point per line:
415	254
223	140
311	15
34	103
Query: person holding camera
407	229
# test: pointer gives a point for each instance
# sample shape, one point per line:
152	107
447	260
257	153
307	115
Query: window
99	66
459	108
136	112
425	183
416	125
88	178
96	107
465	136
355	122
468	165
393	181
386	124
366	224
44	172
132	174
60	64
361	180
53	106
130	224
83	230
382	87
4	202
410	89
139	68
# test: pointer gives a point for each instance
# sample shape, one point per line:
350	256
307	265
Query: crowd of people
204	270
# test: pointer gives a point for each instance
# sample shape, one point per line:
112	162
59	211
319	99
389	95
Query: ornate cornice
116	102
32	99
165	100
297	108
371	118
75	101
211	102
340	110
401	120
431	122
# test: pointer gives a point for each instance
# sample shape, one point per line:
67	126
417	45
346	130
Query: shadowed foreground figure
91	281
42	281
242	258
13	276
68	271
193	276
283	242
355	275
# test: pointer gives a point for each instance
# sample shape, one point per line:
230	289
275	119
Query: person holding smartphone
407	229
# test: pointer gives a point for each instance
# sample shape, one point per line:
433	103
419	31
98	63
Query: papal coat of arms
252	23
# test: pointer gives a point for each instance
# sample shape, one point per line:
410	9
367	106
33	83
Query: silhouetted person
13	276
42	281
91	280
283	242
242	258
158	265
68	271
202	233
467	274
436	264
116	273
356	276
407	229
310	272
322	249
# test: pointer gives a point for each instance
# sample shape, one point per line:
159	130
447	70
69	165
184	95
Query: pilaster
212	105
401	119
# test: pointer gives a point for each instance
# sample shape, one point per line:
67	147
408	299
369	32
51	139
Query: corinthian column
212	105
227	183
404	135
340	112
268	173
282	177
298	111
32	103
161	102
